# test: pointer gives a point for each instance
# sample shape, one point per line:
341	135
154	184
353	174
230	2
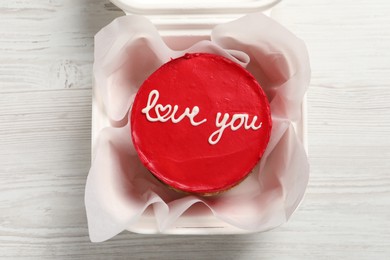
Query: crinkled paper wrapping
119	189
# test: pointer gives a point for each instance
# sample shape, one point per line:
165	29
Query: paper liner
119	189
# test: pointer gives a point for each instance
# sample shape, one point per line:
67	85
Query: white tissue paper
119	189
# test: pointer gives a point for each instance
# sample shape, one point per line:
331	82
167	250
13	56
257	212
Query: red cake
200	123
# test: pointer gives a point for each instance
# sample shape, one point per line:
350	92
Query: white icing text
169	112
242	119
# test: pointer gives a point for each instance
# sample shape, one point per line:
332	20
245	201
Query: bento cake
200	123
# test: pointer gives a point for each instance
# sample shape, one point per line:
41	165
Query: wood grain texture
46	55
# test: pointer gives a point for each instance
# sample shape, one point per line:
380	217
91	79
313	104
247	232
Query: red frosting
178	116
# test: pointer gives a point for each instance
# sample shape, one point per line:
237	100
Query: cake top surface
200	123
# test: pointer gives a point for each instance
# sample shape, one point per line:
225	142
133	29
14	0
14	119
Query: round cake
200	123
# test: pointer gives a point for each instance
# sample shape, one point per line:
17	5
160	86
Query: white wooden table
46	55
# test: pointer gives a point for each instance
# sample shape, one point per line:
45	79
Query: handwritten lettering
169	112
242	119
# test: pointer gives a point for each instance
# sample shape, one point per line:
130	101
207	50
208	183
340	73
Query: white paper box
183	23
